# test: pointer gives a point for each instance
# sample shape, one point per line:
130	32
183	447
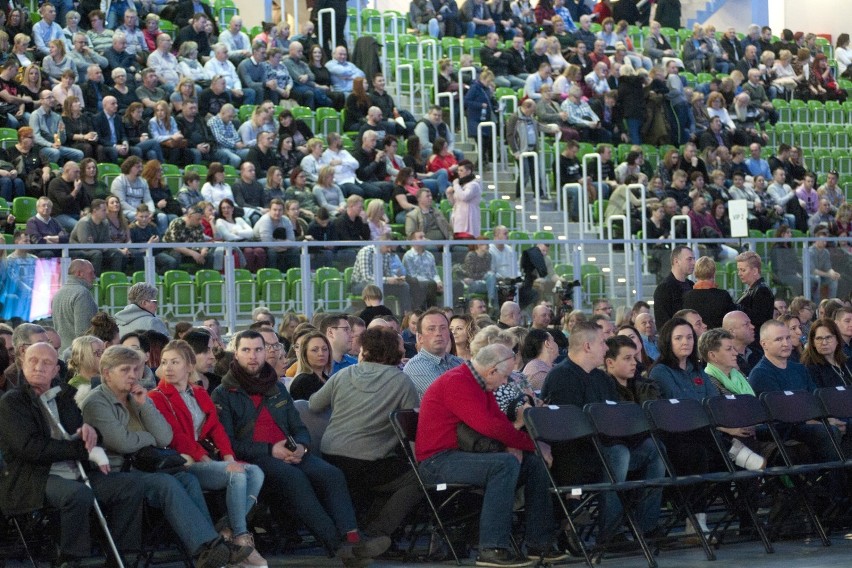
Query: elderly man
253	75
74	305
149	92
23	336
140	313
583	118
164	63
188	229
43	440
83	55
297	482
372	168
220	65
504	260
127	421
43	229
93	89
49	138
46	29
231	146
433	360
464	395
342	71
94	229
510	315
119	58
344	164
304	87
136	44
112	139
68	196
741	329
239	46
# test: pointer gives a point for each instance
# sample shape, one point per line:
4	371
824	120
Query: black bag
151	459
469	440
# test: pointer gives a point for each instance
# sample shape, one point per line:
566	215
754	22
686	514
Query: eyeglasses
274	347
824	339
501	361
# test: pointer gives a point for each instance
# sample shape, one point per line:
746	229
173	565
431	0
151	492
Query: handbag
152	459
172	144
469	440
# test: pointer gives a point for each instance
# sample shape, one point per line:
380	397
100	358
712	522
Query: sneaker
215	555
549	555
254	560
370	547
501	557
238	554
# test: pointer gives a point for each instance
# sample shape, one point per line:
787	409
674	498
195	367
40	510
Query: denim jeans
67	222
315	492
241	488
478	30
148	150
180	498
634	130
498	474
61	155
227	156
646	460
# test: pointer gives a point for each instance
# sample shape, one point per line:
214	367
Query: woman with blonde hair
377	219
554	55
562	84
57	62
163	128
20	49
84	364
314	365
328	195
190	68
183	93
463	328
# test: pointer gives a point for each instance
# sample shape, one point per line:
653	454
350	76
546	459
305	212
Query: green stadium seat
593	283
180	293
305	114
246	291
113	288
273	288
23	208
329	120
210	291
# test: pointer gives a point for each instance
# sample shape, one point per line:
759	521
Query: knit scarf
260	383
736	383
467	179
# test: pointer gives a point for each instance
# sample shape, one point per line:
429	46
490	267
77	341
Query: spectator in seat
196	31
249	193
68	196
188	229
220	65
239	45
49	138
275	226
231	148
201	145
253	75
93	229
112	140
44	229
582	118
394	283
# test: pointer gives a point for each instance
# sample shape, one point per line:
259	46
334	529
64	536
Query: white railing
399	69
536	189
625	219
424	86
320	19
462	117
587	224
480	149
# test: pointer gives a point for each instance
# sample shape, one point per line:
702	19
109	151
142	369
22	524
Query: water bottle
483	115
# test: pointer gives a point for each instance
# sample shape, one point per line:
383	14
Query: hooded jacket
361	397
134	318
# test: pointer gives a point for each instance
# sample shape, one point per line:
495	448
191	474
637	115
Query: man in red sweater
464	394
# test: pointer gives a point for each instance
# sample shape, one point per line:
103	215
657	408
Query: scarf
704	285
467	179
260	383
736	383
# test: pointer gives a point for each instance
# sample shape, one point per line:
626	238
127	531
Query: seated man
253	74
201	144
94	228
364	274
164	64
824	274
42	229
342	72
68	196
248	191
420	266
275	226
464	395
49	138
260	418
188	229
42	462
433	359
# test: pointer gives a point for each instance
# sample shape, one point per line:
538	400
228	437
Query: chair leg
24	542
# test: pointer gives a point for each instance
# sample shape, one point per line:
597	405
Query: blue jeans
148	150
180	498
241	489
232	157
67	222
11	188
634	130
475	30
646	460
498	474
61	155
317	96
488	285
315	492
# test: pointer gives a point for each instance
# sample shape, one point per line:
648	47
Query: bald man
40	462
739	325
112	139
74	305
510	315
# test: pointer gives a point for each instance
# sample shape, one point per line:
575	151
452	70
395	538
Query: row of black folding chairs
736	488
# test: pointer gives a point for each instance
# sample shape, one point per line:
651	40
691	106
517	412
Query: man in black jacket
41	462
263	154
372	168
533	267
668	297
520	64
112	140
201	145
758	301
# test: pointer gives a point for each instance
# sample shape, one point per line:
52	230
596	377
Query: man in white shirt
504	261
220	65
239	45
46	30
344	164
164	63
342	72
532	87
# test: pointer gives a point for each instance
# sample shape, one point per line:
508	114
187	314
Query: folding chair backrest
404	424
316	423
677	415
618	420
792	407
736	411
558	423
836	401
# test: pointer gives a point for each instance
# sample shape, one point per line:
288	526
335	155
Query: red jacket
170	404
456	397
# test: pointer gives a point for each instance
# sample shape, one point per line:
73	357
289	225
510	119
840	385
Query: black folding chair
563	424
790	409
625	420
442	497
837	403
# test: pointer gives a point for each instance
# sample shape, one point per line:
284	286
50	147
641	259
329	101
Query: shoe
370	547
500	557
549	555
216	554
237	553
254	560
702	523
745	457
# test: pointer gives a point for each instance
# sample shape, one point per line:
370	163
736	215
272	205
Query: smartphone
290	443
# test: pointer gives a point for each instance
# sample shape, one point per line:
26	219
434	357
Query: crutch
98	512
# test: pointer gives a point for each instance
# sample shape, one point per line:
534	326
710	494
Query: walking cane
98	512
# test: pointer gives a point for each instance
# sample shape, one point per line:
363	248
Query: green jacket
238	415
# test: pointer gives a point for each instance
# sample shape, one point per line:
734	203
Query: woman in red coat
198	435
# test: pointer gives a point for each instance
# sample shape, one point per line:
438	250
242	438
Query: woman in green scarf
716	347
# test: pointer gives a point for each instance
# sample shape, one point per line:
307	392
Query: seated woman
79	129
231	228
377	220
314	366
327	194
437	182
463	329
404	194
300	192
84	365
539	351
166	205
476	273
110	408
359	438
163	129
827	364
442	158
201	440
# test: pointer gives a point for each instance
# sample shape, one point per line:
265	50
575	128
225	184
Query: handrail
424	100
320	35
625	219
675	219
410	68
536	189
450	96
563	192
462	117
480	152
586	224
644	215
